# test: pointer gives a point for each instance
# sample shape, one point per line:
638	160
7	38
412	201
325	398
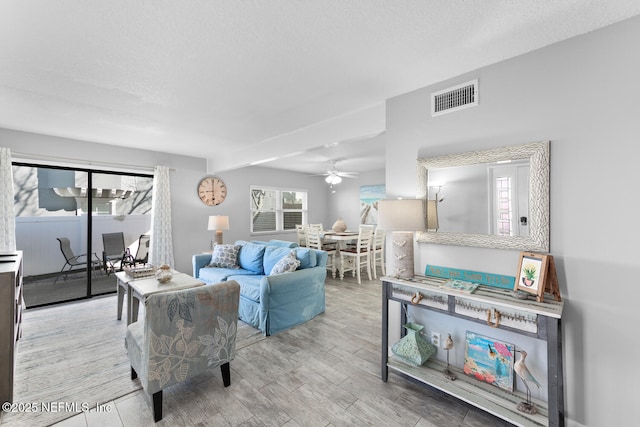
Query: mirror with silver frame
495	198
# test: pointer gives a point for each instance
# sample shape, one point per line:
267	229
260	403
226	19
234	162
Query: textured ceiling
242	81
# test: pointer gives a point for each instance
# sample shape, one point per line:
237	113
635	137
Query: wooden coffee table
139	289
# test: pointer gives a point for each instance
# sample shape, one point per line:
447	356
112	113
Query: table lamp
218	223
402	217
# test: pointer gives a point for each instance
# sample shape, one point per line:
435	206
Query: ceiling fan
334	176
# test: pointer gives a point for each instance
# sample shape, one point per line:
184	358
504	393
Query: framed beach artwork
489	360
369	196
532	272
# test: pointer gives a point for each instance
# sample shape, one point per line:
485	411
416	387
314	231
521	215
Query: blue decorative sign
488	279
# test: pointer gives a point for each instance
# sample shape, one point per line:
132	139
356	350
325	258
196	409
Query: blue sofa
272	302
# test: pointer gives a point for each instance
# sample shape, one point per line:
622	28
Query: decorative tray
141	271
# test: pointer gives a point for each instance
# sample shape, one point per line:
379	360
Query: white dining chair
300	232
377	252
354	257
325	242
314	241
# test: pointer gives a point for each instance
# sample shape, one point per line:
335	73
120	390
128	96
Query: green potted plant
529	271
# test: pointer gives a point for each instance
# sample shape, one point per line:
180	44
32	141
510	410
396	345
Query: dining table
340	236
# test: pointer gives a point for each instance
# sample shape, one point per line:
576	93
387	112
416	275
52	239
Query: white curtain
7	211
161	248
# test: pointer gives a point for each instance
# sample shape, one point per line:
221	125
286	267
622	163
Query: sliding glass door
121	213
61	215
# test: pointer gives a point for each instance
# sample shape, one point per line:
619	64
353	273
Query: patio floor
40	290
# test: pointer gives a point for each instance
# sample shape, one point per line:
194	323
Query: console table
541	320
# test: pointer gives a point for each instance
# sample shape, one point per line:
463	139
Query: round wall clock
212	191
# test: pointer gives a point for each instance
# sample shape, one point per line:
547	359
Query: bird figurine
448	345
525	375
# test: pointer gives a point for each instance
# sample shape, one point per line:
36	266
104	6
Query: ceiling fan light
333	179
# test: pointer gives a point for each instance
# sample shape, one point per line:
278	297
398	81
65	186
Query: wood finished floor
323	373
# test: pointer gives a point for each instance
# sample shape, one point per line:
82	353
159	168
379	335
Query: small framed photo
532	273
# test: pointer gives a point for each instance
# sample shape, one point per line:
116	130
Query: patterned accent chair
183	334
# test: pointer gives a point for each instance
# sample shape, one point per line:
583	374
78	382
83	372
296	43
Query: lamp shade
401	215
432	215
218	222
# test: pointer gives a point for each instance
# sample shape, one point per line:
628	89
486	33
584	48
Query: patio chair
142	257
72	260
142	254
115	254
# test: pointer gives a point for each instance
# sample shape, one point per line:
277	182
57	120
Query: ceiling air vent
454	98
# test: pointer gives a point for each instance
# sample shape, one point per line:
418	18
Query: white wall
581	94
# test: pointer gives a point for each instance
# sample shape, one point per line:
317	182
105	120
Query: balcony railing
36	237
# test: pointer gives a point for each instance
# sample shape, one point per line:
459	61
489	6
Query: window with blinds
277	209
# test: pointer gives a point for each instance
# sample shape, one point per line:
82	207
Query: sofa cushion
307	257
215	275
249	286
225	256
273	254
286	264
282	243
250	257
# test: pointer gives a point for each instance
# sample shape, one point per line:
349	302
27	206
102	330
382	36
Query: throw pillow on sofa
225	256
287	264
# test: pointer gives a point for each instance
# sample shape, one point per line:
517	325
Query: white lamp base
402	253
